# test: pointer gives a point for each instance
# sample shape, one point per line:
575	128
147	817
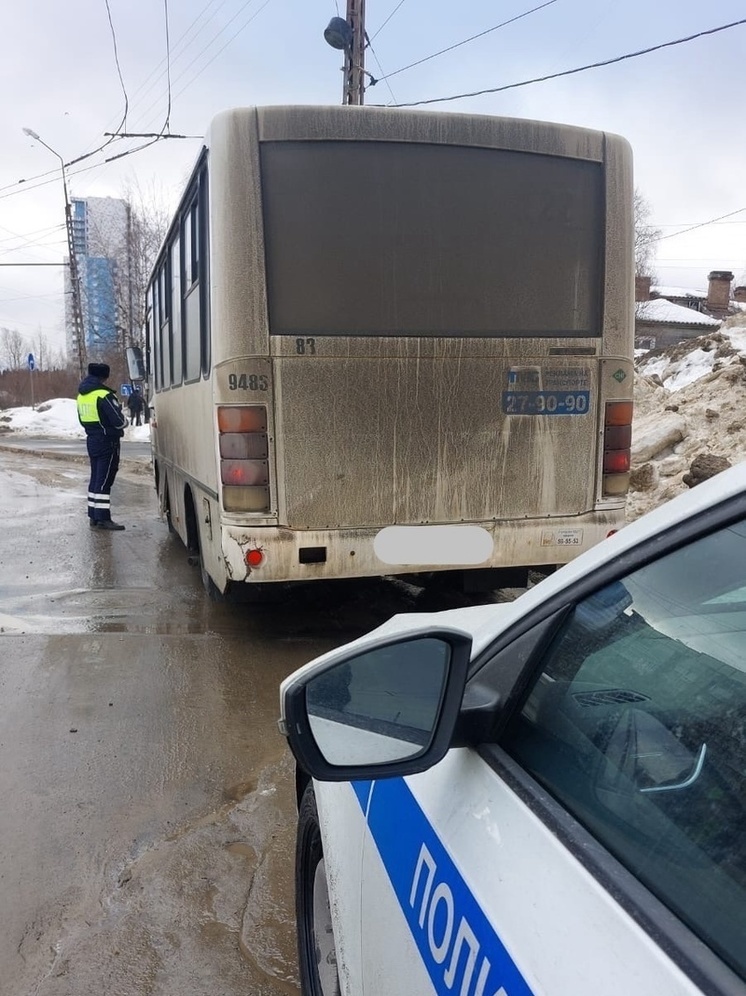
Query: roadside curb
75	457
137	464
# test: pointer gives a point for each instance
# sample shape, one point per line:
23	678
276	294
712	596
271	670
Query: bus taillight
244	452
242	418
617	447
254	557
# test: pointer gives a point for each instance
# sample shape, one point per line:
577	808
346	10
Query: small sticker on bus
567	379
546	402
562	537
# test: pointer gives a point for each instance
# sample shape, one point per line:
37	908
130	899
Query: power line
123	123
378	63
148	134
202	51
29	179
39	244
168	70
47	230
175	49
673	224
702	224
464	42
385	22
143	85
86	169
146	86
119	68
704	265
580	69
221	50
53	173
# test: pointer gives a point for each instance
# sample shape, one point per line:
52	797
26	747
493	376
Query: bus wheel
317	952
167	514
194	547
214	593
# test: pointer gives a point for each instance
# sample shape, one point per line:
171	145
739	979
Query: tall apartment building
100	237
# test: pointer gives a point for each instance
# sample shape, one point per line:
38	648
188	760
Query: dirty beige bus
385	342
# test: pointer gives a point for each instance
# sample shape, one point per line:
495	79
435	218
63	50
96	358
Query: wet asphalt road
148	812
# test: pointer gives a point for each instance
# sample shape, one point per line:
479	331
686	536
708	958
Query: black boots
106	524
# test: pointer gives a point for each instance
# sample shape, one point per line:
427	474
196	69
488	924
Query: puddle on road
343	610
101	610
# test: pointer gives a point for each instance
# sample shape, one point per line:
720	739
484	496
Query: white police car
543	797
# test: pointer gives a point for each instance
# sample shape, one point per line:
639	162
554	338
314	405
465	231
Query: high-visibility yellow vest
88	405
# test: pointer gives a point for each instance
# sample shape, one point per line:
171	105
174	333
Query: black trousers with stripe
104	456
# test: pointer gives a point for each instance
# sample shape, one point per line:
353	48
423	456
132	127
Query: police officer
102	417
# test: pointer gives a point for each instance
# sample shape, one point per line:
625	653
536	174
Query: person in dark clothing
134	403
104	422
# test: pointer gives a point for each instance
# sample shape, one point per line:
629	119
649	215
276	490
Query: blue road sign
31	363
125	390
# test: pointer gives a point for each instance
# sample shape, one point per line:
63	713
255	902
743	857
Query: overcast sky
680	107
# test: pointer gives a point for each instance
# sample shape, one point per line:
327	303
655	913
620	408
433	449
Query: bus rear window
384	238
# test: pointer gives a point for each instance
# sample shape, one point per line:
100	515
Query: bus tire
213	592
317	951
194	547
167	514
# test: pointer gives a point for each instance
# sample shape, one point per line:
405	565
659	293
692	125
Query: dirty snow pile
690	402
56	419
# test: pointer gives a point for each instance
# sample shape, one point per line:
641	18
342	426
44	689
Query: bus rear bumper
294	555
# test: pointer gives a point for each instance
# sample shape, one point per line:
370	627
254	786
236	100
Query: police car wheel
317	953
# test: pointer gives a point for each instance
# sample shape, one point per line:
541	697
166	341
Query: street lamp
74	272
338	34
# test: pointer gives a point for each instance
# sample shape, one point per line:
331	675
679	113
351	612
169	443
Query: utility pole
349	36
353	91
78	332
77	302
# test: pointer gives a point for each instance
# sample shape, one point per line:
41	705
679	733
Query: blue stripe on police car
457	943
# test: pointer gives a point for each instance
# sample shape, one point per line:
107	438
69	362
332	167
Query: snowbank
56	419
690	400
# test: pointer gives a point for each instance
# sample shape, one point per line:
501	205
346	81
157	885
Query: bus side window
204	277
193	225
156	333
191	293
164	297
176	329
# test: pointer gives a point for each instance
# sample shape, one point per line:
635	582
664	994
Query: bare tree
56	359
149	218
12	349
41	351
646	235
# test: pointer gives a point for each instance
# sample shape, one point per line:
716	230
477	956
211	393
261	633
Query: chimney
642	288
718	291
739	294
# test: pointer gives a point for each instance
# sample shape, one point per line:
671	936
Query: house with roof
667	315
660	323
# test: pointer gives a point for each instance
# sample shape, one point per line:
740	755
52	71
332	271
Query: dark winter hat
100	370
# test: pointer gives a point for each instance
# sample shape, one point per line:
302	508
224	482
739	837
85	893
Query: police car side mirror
384	711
